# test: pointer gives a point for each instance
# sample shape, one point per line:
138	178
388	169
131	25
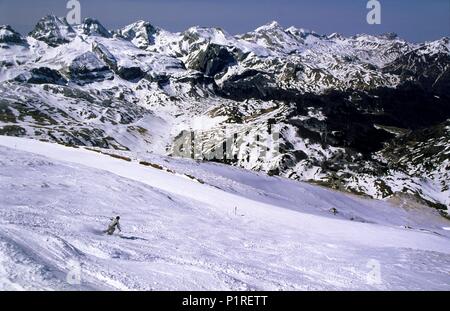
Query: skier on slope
334	211
112	226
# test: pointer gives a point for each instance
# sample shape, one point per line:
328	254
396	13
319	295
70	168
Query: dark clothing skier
113	225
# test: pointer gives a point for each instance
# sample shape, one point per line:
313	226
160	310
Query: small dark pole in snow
235	210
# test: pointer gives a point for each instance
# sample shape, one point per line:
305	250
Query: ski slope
200	226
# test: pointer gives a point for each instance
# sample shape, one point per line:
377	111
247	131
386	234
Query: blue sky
414	20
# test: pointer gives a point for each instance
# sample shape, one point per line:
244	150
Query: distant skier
113	225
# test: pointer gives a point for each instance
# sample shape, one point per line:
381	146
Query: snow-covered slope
182	231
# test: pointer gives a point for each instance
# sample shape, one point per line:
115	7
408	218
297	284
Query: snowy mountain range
364	114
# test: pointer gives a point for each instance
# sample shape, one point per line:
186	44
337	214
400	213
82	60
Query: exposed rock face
125	71
213	60
53	31
141	33
93	27
10	36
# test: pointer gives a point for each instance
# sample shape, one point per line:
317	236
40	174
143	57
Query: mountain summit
53	31
10	36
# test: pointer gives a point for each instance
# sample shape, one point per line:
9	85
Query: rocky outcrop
53	31
92	27
10	36
88	68
142	34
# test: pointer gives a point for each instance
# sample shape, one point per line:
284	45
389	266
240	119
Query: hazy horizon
412	20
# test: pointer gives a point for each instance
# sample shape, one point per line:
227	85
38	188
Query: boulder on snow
213	60
93	27
10	36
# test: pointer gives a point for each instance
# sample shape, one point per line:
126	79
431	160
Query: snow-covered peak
294	30
335	36
301	33
386	38
273	25
141	33
439	48
53	30
215	35
273	37
9	35
196	38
